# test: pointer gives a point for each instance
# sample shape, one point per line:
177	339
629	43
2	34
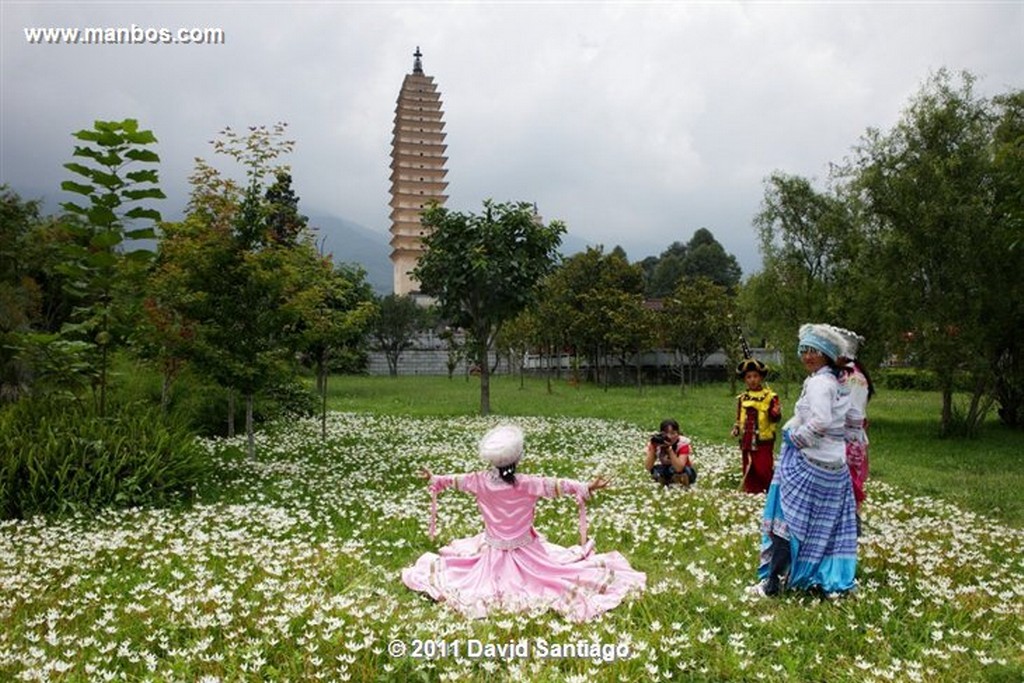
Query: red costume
757	414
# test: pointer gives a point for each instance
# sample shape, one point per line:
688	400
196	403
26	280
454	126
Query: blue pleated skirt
814	508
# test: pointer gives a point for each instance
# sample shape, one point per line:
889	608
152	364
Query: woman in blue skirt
809	530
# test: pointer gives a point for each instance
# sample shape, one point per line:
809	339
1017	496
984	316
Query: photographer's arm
680	458
649	457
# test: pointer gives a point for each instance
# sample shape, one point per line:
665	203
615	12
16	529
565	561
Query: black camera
659	439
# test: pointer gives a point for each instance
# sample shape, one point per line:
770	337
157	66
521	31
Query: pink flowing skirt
476	578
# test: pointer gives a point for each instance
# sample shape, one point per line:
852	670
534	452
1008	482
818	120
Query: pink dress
510	566
856	432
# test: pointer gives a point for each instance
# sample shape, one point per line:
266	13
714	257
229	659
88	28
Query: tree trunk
249	427
485	379
323	404
547	368
682	373
231	413
165	393
103	382
947	412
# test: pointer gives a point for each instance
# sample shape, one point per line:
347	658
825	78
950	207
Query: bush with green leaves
59	457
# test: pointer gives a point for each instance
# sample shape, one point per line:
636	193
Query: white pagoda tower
417	170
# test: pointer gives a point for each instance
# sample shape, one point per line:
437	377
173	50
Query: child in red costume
758	412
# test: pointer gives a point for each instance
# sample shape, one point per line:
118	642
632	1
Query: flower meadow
287	567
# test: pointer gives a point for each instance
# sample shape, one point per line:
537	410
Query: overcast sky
635	123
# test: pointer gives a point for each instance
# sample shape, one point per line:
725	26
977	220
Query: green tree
578	299
666	274
335	307
101	272
632	330
20	295
804	237
483	269
517	338
244	288
938	240
1008	160
394	326
702	256
707	258
698	320
284	223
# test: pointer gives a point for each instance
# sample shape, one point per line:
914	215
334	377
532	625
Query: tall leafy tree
394	326
698	320
632	330
517	338
483	269
335	305
1008	160
937	238
245	288
707	258
116	176
803	233
284	223
20	294
578	297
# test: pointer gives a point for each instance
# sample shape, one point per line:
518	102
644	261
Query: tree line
912	241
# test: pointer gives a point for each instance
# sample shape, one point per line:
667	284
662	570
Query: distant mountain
351	242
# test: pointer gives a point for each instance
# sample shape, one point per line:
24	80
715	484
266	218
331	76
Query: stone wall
429	356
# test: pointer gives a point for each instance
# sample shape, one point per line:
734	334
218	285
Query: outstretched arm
439	482
435	484
599	482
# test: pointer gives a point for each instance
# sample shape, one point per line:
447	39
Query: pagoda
417	170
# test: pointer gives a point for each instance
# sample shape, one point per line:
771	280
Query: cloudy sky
635	123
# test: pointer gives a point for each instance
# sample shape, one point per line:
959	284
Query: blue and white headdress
822	337
851	342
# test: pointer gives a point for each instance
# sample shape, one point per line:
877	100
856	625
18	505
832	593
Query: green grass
289	569
985	475
288	566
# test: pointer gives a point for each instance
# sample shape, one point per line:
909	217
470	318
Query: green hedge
57	457
915	379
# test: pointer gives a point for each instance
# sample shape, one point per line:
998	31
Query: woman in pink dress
510	566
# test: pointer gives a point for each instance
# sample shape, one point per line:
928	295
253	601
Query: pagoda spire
417	171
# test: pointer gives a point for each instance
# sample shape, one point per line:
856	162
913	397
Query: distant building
417	170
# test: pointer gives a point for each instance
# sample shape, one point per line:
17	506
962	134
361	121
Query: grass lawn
984	475
288	565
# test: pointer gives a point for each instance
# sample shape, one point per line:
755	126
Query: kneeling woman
510	566
809	529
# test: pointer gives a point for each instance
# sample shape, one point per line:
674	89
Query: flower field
288	568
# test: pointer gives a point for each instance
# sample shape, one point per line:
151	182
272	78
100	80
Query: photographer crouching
668	456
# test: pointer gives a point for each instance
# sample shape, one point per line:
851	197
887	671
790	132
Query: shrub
57	457
908	379
915	379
